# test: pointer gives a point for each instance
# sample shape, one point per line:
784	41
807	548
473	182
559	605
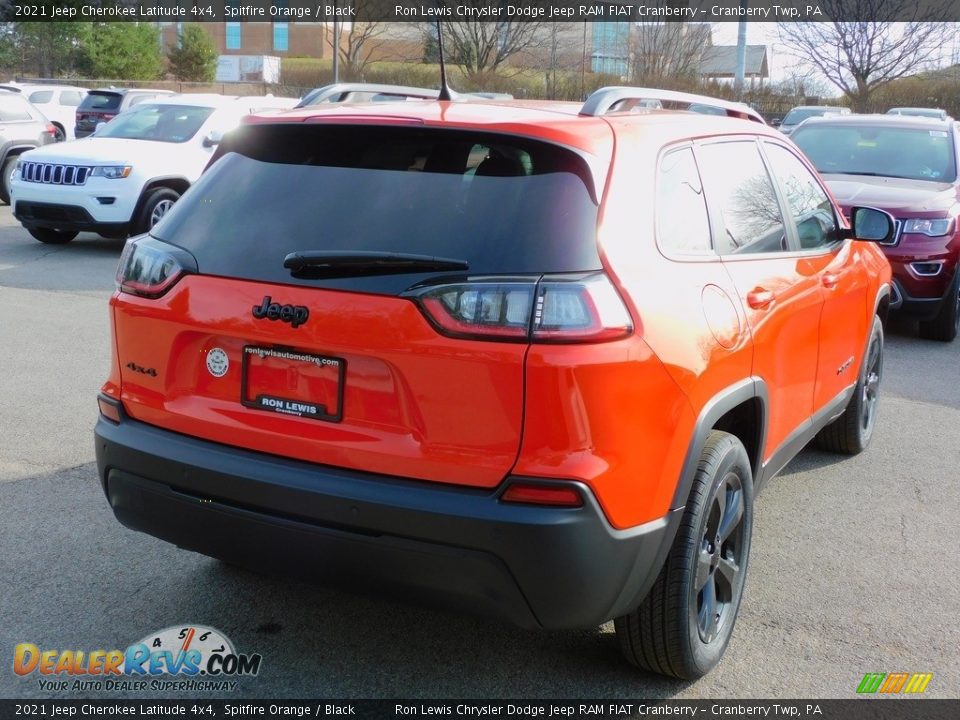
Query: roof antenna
445	93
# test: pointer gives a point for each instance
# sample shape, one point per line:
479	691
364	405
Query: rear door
778	288
414	372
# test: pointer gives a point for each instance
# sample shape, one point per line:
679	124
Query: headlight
112	172
933	228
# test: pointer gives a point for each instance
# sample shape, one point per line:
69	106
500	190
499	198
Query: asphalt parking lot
854	566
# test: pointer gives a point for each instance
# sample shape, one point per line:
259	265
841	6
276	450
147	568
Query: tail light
149	268
554	309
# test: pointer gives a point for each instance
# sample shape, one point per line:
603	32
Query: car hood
896	195
106	151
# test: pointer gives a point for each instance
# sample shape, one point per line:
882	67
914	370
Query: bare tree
480	47
669	51
359	44
886	40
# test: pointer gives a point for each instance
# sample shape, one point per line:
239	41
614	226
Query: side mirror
867	223
213	138
775	122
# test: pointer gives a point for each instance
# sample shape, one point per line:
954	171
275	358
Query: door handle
759	298
831	280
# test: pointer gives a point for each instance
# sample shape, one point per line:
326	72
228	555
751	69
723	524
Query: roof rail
601	101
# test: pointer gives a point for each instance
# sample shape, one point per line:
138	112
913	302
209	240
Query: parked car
936	113
22	128
530	359
907	166
123	179
802	112
100	106
57	102
365	92
374	92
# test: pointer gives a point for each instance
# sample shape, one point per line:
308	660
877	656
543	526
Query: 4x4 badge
296	315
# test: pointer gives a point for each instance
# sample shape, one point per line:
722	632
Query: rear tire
52	237
683	626
8	167
850	433
59	135
945	325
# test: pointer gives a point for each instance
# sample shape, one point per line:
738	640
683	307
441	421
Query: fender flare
752	388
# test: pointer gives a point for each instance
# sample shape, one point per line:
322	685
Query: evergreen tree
195	58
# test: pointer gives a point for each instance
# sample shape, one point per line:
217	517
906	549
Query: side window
809	205
738	186
41	96
683	226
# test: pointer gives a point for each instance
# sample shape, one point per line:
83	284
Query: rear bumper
534	566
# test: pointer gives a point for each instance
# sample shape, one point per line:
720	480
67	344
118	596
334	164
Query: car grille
52	174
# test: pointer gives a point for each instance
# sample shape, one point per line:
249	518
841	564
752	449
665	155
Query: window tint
14	108
682	222
71	98
809	205
737	184
41	96
101	101
505	205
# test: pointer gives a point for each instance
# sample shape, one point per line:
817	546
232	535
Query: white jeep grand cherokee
123	179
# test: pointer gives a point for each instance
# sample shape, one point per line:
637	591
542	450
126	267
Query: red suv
525	358
907	166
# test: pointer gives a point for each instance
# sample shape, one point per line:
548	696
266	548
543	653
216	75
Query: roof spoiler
604	99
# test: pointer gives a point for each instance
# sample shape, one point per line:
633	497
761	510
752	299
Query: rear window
505	205
13	108
798	115
101	101
911	153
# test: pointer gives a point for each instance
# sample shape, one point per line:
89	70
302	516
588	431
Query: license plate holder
292	382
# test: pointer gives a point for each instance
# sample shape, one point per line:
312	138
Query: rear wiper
321	263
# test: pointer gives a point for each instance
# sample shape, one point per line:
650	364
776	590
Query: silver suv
22	128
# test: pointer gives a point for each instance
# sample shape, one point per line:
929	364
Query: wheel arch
177	183
741	410
14	151
881	304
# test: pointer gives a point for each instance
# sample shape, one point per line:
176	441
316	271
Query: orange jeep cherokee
532	359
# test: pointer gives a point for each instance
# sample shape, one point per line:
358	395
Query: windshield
164	123
798	115
505	205
911	153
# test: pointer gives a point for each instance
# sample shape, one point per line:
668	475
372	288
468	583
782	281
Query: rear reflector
542	495
109	408
554	309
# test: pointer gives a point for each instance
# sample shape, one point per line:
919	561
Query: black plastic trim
799	438
535	566
752	388
22	211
